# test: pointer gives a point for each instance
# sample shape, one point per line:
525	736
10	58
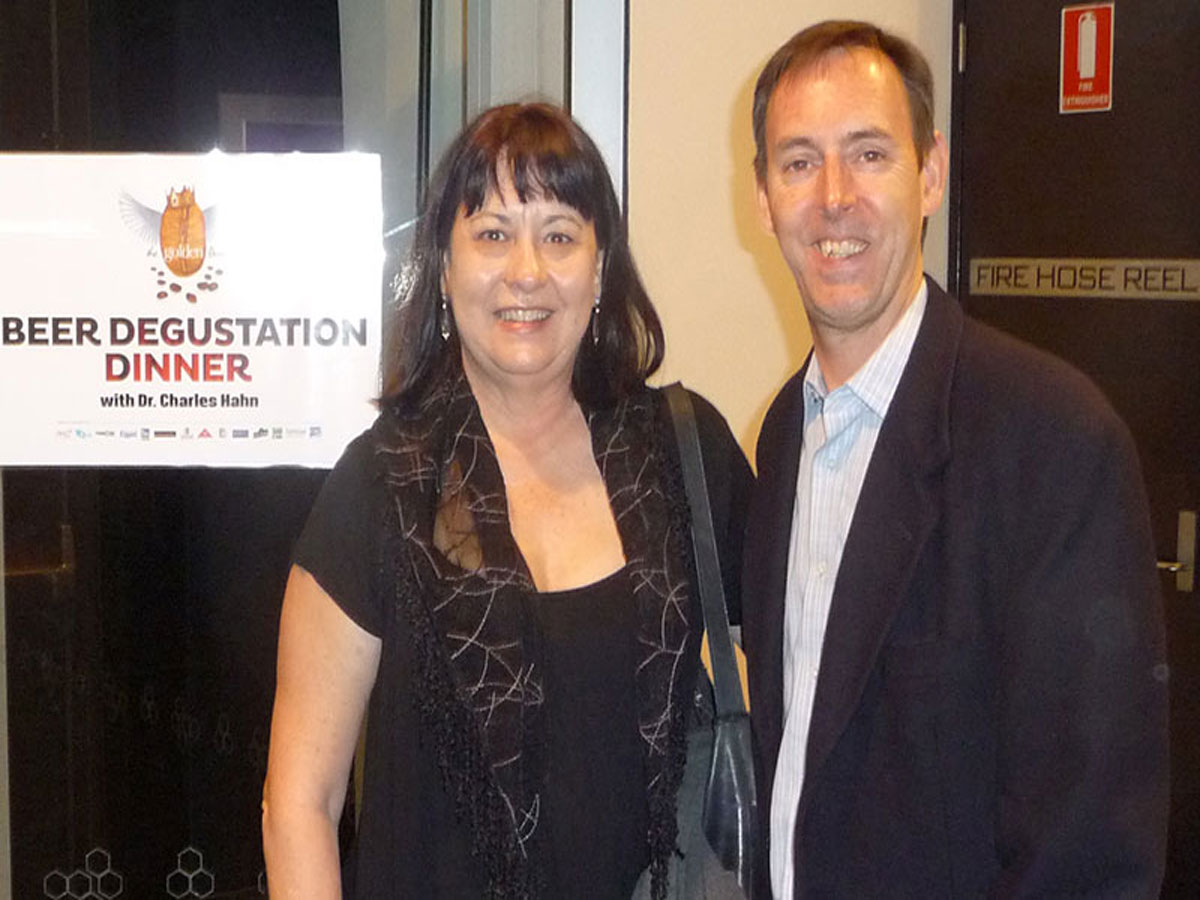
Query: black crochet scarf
465	591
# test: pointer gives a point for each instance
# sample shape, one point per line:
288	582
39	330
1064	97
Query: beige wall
735	329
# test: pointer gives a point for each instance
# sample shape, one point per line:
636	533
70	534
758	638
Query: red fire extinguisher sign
1085	74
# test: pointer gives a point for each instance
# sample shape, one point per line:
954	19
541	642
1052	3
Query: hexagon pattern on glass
97	880
190	878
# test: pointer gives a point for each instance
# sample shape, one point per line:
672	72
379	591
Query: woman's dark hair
547	155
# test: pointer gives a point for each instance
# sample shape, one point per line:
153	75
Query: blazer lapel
765	563
897	509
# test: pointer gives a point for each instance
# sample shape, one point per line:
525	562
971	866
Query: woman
501	564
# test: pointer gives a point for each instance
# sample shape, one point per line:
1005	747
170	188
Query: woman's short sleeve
337	546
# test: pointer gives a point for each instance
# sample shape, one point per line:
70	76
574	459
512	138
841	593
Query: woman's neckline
562	593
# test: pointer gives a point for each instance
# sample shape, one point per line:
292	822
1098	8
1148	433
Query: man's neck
842	353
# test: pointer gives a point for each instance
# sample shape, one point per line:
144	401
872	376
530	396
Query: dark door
1031	183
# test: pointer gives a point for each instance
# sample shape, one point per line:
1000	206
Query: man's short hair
815	42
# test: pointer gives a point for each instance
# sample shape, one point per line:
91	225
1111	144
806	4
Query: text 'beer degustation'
210	362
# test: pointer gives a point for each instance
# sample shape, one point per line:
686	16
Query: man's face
845	194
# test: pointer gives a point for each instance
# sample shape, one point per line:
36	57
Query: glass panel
381	53
488	71
141	615
139	607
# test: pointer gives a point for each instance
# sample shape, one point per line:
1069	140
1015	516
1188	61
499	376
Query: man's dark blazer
990	712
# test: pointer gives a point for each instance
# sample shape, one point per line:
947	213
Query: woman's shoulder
710	422
355	464
350	487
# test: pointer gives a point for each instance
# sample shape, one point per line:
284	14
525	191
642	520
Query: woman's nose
525	265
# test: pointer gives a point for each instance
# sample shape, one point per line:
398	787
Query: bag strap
727	688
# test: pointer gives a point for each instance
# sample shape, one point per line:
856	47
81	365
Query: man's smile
840	249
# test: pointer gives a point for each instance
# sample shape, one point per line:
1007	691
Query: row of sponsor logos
175	432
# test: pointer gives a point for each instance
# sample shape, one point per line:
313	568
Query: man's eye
872	156
796	165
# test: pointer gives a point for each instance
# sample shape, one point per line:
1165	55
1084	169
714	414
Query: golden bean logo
180	234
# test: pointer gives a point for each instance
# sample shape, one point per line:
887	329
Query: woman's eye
491	234
559	237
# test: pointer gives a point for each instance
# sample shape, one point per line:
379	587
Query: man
951	610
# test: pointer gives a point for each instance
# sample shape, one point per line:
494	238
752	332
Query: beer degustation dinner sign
179	310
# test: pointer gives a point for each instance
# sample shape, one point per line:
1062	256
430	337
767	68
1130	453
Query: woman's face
521	279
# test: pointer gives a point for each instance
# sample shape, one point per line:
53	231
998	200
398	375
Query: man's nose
837	186
526	268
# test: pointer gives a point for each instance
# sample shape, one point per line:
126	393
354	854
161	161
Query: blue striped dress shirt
840	431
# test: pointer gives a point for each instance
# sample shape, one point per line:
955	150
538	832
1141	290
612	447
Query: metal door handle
1184	564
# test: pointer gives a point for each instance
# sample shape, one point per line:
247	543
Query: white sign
178	310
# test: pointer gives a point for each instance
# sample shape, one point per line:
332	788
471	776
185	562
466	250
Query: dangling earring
596	322
444	318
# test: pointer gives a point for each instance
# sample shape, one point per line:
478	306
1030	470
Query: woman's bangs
556	176
547	175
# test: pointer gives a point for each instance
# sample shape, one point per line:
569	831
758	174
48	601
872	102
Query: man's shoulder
1021	387
715	434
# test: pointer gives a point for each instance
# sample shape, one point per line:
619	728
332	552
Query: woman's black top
412	841
595	794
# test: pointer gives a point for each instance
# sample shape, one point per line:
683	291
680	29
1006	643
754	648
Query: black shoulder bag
730	816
